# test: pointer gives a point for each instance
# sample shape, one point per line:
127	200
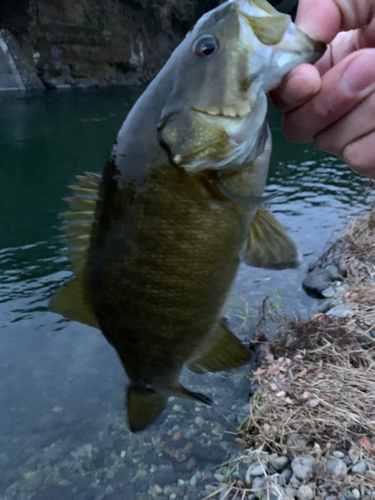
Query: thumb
323	19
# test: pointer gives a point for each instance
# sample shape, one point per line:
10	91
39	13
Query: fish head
235	54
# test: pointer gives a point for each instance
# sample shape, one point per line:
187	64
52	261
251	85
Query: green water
62	426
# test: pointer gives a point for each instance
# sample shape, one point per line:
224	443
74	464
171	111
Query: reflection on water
62	427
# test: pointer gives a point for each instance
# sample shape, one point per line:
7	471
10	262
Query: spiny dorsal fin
79	219
74	300
268	244
224	351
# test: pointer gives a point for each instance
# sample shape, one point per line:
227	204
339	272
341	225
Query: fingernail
360	74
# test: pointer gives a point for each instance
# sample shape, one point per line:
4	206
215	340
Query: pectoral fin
225	351
268	245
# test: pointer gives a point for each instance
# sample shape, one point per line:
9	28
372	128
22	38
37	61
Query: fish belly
162	261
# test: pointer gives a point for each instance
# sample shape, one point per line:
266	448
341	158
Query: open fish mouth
229	113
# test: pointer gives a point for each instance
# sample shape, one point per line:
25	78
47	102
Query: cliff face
88	42
101	42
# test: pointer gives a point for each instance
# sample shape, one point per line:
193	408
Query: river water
62	428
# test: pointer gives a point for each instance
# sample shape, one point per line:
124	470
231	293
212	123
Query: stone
325	306
354	455
287	474
306	314
336	467
305	492
290	491
338	454
219	477
257	471
294	481
329	292
359	468
257	483
334	272
278	463
251	496
317	281
340	311
302	466
296	441
356	493
164	476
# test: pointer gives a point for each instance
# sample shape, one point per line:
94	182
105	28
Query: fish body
179	206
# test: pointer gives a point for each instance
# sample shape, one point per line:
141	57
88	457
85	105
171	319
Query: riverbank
310	432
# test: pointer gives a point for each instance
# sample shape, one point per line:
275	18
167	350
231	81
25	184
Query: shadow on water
62	426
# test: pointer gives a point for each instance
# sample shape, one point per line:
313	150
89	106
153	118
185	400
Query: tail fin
144	406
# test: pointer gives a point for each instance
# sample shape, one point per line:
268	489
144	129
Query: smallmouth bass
155	243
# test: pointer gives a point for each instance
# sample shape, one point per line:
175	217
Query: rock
340	311
338	454
336	467
142	484
297	441
219	477
356	494
334	272
257	471
317	281
193	480
305	492
306	314
257	483
354	455
287	474
164	476
325	306
246	409
359	468
278	463
347	461
251	496
294	481
291	492
302	466
329	292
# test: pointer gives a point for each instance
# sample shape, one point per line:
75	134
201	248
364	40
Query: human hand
333	102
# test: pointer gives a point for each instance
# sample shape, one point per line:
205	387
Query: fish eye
206	45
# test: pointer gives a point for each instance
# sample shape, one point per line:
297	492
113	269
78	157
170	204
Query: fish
155	242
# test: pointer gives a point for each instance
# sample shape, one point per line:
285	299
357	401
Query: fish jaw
274	43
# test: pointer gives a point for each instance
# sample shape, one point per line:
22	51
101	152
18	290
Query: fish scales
179	206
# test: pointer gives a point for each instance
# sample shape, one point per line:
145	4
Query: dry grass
318	380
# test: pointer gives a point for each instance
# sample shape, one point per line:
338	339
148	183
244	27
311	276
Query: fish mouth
229	115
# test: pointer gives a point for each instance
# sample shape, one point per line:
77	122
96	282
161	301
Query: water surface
62	425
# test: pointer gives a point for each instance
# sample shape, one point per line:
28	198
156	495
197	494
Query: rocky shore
310	431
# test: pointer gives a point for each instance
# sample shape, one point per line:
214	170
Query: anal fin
225	351
268	245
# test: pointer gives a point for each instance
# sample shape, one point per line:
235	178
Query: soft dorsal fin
225	351
268	244
73	301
